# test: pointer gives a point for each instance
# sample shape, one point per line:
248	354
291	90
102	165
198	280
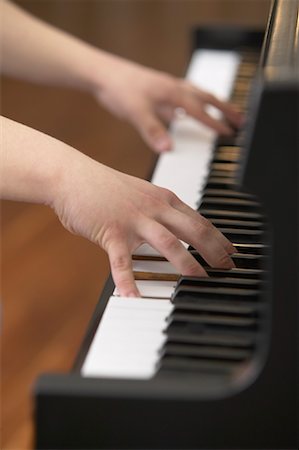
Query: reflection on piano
206	363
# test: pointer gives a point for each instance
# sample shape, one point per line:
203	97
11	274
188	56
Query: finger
226	243
121	269
228	246
176	203
229	110
152	130
166	112
172	249
196	110
202	235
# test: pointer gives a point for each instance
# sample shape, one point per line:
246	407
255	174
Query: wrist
33	164
95	69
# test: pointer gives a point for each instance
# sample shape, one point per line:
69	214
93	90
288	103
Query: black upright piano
227	374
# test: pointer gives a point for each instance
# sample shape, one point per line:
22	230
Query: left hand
148	99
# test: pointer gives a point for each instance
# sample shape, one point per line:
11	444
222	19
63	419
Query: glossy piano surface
226	375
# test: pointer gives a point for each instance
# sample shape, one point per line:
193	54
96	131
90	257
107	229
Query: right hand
120	212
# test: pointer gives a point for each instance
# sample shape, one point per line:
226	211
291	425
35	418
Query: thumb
153	131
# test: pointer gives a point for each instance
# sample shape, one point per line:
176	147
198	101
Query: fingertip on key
231	264
133	294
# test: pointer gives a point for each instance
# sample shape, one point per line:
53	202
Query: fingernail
232	250
163	144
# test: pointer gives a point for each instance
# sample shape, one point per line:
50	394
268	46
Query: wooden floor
51	280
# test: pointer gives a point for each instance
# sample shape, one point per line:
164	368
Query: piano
205	363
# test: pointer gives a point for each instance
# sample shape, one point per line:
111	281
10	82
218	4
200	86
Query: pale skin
84	193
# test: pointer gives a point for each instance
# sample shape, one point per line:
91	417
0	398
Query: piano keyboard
183	323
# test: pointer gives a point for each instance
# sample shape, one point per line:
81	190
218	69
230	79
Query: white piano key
203	71
153	288
139	303
154	266
128	339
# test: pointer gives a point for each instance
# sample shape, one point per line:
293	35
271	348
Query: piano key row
223	314
210	325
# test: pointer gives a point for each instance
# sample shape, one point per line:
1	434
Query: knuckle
205	222
224	260
152	128
167	241
151	202
192	269
202	231
109	234
168	80
120	263
124	285
208	97
171	85
169	196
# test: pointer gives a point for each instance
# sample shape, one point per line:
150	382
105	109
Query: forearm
38	52
32	163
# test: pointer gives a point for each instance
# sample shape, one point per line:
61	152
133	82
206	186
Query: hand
148	99
120	212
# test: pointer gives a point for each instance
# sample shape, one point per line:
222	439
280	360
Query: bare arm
36	51
115	211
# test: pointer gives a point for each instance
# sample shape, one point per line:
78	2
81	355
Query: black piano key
174	363
224	167
226	157
220	306
253	274
241	103
249	261
205	352
238	215
213	337
242	236
243	86
232	150
223	174
221	147
230	204
211	319
221	183
219	292
206	321
218	282
237	224
227	141
241	92
251	248
241	260
227	193
247	69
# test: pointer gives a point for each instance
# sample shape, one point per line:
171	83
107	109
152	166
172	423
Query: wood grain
51	280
